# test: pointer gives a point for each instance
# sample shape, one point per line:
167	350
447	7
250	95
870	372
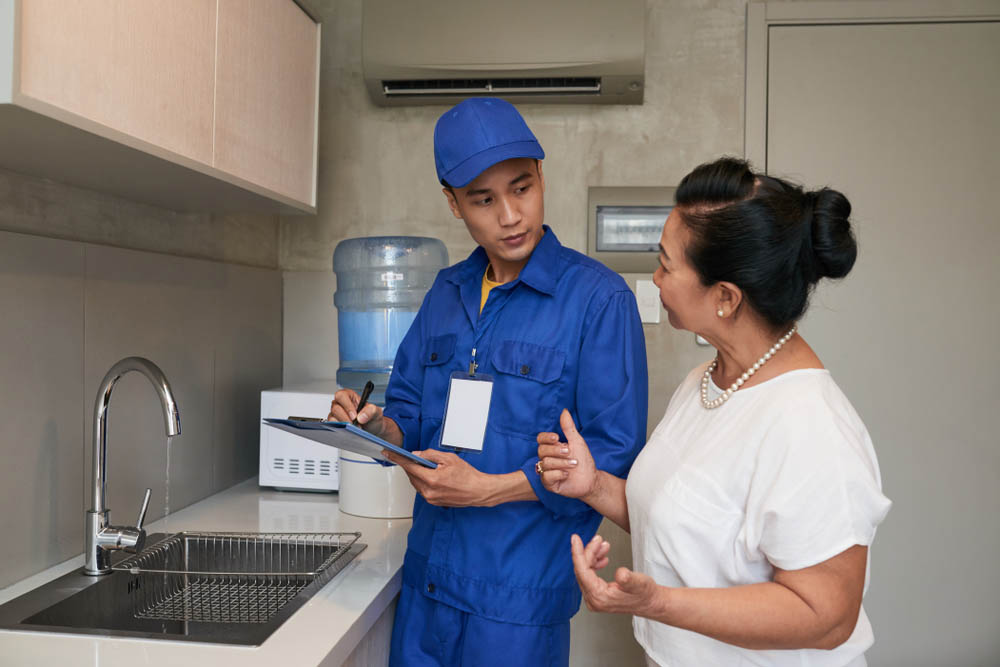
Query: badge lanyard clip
472	364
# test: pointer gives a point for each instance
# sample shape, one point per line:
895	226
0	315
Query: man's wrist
389	431
506	488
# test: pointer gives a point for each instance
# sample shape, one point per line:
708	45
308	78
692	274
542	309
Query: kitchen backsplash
72	309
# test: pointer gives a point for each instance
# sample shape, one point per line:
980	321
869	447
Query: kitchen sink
230	588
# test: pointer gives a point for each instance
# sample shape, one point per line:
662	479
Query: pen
365	393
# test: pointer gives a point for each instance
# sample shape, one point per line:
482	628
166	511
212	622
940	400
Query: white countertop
324	631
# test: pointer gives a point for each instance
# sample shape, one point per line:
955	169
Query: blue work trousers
429	633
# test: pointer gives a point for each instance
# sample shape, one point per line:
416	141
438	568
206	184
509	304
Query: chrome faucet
100	537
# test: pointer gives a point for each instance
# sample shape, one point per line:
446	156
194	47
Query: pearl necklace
707	377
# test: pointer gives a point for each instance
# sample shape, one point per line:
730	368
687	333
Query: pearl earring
721	313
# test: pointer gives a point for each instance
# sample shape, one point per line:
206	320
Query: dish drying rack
221	577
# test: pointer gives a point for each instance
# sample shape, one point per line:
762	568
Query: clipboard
344	435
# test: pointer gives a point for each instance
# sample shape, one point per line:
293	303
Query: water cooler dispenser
381	282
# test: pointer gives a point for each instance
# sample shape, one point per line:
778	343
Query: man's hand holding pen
348	406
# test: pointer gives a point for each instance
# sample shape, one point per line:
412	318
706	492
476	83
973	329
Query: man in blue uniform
487	576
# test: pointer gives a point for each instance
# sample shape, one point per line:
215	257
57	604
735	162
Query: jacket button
434	356
430	588
525	370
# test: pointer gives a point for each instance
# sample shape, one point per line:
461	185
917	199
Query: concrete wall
41	207
376	176
376	165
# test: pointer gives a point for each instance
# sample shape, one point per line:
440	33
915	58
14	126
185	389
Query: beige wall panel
902	118
266	95
161	308
143	68
247	360
215	331
75	309
41	392
310	343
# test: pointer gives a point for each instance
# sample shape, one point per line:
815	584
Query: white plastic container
372	490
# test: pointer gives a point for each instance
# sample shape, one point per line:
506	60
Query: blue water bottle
381	282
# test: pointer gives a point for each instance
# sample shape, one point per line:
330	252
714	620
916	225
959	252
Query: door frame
762	14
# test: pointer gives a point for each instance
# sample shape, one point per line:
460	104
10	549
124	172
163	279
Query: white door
904	118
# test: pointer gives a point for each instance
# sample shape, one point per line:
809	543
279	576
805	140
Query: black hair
767	236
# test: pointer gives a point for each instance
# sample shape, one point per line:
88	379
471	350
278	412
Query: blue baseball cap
477	133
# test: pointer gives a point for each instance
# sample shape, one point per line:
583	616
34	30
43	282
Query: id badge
466	410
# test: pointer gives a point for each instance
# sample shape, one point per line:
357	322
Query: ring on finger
538	467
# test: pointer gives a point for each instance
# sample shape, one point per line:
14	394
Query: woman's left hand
630	592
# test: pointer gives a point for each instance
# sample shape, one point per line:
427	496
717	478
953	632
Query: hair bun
764	234
833	245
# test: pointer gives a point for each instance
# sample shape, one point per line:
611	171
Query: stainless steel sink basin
210	587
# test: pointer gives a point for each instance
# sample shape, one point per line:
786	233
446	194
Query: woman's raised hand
566	468
629	593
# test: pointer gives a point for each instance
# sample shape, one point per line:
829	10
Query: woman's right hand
567	467
344	408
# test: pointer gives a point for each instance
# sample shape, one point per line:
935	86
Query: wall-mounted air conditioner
562	51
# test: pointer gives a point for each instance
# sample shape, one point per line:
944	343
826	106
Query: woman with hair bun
754	502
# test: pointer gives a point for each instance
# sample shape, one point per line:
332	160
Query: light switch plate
648	298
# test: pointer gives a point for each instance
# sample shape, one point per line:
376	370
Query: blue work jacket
564	334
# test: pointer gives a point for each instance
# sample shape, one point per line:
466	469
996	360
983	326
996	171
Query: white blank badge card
466	412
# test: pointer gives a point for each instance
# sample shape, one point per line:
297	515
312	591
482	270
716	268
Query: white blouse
783	474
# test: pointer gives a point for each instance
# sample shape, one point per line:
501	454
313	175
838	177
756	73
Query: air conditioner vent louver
442	52
523	86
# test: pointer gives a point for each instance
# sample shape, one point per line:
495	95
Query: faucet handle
142	512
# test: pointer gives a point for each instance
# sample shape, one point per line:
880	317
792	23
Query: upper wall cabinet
200	105
266	95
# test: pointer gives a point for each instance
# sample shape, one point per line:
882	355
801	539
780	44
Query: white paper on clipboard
343	435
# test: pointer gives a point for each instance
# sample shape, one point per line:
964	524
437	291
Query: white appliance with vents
555	51
288	461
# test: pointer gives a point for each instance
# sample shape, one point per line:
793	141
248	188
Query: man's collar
540	273
542	270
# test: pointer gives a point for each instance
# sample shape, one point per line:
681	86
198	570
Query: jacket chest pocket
527	387
436	358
